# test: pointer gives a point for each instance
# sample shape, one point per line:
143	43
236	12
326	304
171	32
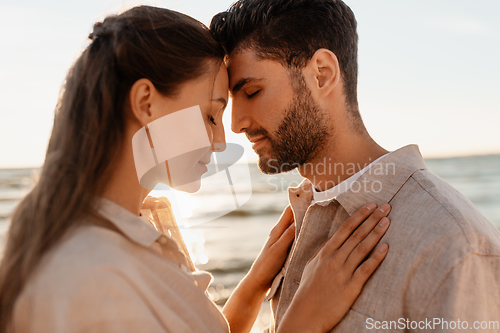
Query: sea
229	237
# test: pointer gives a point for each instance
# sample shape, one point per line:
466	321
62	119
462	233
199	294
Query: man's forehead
240	60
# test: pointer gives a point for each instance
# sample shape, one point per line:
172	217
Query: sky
428	71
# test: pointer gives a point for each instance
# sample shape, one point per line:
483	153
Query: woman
81	258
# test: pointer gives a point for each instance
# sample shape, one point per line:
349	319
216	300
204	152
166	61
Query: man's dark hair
291	31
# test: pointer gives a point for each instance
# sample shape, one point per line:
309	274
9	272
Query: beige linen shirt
443	260
100	280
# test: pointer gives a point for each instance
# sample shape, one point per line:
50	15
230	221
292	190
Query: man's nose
240	118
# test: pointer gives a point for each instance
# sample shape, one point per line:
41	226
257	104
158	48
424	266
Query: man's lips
258	141
257	138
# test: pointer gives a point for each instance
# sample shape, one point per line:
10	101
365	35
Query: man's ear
324	68
141	97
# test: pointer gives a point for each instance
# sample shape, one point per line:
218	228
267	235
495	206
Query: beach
226	246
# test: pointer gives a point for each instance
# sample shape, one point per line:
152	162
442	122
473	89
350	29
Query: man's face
273	106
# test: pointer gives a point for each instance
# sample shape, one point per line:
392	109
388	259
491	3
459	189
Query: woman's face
183	136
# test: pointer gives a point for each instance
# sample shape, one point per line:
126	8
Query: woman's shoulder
85	270
94	257
82	253
81	284
91	278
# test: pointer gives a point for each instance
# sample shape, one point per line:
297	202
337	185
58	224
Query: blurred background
428	74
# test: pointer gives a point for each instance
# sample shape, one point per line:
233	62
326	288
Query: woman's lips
203	165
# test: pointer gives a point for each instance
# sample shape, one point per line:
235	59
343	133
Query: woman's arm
334	277
331	281
243	306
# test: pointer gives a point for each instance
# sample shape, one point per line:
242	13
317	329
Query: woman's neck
123	188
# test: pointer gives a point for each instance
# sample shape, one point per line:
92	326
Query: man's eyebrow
241	83
222	100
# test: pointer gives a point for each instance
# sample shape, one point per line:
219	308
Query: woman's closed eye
216	114
212	119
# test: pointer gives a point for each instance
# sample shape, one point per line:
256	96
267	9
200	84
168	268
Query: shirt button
163	240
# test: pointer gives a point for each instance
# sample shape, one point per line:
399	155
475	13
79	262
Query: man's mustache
256	132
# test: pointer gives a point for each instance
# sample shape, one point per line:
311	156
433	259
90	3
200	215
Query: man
293	76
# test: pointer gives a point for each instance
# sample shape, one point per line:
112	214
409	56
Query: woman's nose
218	147
219	139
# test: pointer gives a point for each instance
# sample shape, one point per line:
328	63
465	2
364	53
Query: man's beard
300	136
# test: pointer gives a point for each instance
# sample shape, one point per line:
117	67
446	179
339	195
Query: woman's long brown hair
163	46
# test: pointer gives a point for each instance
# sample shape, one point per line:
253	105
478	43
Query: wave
253	212
10	199
241	267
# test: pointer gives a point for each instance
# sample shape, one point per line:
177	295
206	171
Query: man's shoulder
444	213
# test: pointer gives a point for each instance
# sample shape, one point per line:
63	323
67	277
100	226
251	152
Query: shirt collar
341	187
136	228
378	184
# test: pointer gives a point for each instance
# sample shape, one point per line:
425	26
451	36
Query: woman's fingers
351	233
362	231
366	245
366	269
349	225
286	219
286	238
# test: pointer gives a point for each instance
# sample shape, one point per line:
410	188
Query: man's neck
340	160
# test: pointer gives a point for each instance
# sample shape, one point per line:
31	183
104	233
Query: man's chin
271	166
